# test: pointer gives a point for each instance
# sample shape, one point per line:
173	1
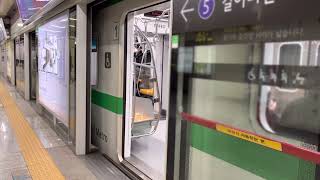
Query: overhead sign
206	8
27	8
205	15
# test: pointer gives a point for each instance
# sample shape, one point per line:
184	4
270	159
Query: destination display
53	67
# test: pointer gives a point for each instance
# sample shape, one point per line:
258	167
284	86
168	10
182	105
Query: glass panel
19	64
72	89
53	64
246	106
219	92
280	108
33	65
290	54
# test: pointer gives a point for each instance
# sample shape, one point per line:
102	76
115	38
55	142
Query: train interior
147	87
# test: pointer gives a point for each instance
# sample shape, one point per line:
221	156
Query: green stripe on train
108	102
262	161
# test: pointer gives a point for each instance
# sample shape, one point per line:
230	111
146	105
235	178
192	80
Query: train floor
147	153
31	149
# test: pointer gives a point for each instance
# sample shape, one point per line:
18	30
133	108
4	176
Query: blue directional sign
206	8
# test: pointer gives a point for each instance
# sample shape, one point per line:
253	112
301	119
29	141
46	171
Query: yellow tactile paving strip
39	162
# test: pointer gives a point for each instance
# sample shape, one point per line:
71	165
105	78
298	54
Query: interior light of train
154	13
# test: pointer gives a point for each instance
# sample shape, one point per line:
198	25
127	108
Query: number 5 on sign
206	8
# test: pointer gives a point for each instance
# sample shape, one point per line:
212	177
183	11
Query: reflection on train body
290	109
280	112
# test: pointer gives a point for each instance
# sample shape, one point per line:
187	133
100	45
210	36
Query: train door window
290	54
318	55
33	65
19	64
147	88
275	100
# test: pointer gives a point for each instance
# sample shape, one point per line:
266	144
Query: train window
318	55
290	54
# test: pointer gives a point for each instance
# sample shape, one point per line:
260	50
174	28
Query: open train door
147	88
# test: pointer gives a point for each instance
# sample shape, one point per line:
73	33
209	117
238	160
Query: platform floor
31	149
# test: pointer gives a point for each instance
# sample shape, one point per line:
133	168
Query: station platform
31	149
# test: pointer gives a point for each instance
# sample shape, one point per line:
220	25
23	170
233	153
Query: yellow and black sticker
249	137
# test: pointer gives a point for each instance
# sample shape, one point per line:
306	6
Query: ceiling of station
5	6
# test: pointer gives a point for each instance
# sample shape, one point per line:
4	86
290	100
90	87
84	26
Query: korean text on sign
228	3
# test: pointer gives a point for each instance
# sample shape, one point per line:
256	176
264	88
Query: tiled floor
13	166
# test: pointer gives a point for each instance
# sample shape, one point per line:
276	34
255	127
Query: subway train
183	89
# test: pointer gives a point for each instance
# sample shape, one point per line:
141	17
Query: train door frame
124	45
130	170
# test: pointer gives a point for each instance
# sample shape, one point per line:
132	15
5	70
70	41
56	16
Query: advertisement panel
53	66
29	7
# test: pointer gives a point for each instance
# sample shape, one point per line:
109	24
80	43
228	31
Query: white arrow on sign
184	10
